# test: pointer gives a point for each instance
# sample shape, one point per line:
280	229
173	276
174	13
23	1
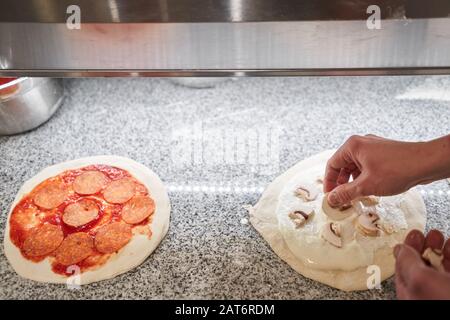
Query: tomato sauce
26	215
6	80
9	89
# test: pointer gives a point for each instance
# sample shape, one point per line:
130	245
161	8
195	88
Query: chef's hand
384	167
413	278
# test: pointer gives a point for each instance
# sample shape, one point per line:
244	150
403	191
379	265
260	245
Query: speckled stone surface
210	251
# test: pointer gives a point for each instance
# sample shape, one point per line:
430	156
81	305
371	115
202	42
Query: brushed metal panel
305	45
132	11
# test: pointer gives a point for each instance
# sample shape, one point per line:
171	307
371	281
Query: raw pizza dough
308	253
129	257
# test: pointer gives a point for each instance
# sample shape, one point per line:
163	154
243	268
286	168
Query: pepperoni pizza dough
100	215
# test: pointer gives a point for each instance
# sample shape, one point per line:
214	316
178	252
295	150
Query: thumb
408	262
345	193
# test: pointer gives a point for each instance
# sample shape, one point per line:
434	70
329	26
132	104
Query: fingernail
333	199
397	249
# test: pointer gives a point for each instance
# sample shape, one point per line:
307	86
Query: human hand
414	279
383	167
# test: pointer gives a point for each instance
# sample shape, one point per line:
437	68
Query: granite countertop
216	149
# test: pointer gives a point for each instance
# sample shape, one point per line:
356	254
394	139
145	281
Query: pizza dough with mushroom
103	214
334	246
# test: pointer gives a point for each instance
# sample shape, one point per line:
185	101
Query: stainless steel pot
26	103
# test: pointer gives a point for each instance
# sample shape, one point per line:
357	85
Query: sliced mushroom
338	213
331	232
369	201
434	257
319	180
299	217
386	227
344	207
307	192
367	224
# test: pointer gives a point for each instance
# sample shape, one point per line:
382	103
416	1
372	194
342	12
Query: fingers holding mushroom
433	253
338	213
434	258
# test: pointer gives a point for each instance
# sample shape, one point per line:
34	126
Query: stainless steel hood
224	37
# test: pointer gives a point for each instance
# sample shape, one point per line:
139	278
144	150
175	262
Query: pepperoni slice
80	213
137	209
111	237
89	182
42	240
50	196
119	191
74	248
